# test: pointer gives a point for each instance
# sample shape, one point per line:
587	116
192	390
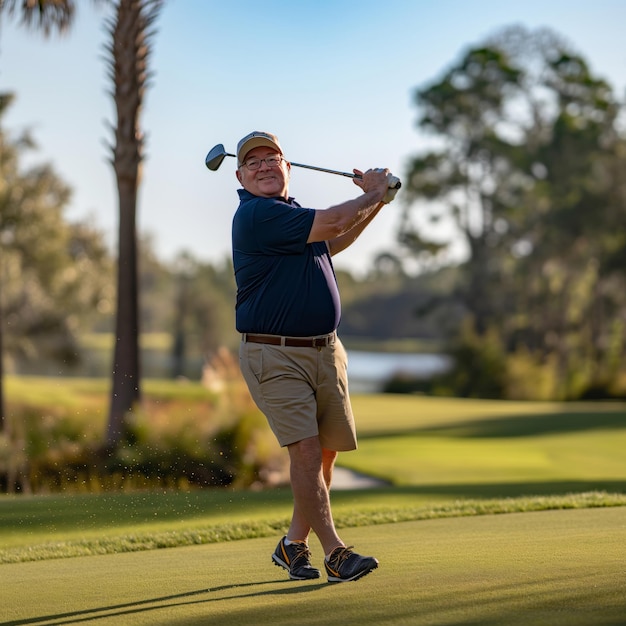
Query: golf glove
393	183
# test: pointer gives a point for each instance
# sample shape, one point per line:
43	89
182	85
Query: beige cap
256	139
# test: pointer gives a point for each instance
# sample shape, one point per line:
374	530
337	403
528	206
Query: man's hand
373	181
393	186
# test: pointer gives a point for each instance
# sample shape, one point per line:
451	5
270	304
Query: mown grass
562	568
72	392
477	448
79	526
441	457
495	513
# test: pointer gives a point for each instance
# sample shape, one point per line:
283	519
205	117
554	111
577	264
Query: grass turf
553	567
491	449
451	462
444	457
53	527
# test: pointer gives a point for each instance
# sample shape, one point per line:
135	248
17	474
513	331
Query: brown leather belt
291	342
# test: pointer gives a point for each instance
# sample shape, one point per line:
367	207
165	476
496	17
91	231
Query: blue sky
334	80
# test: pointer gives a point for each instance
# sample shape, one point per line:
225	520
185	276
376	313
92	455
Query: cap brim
256	142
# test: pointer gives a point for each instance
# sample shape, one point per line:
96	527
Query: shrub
181	441
530	378
479	366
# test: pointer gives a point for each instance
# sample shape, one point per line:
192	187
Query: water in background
368	371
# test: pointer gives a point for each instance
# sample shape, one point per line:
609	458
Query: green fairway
491	449
42	528
495	513
554	567
434	452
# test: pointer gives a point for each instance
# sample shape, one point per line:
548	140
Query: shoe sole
280	563
357	576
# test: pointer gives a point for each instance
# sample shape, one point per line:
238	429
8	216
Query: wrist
374	196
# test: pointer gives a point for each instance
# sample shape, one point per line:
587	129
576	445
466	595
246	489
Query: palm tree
129	51
47	16
128	54
44	15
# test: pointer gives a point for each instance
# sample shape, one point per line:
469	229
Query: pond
368	371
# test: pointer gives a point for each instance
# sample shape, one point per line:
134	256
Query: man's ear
238	175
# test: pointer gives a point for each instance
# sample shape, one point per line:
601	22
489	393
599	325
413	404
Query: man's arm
341	224
338	244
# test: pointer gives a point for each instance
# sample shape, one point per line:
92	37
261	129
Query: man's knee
307	452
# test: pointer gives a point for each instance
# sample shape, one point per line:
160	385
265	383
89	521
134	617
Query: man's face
267	182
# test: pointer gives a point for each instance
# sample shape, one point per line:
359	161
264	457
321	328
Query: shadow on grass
519	425
164	602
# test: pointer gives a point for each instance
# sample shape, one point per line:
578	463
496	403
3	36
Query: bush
484	369
175	440
530	378
479	369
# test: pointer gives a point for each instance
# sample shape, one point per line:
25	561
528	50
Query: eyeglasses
271	161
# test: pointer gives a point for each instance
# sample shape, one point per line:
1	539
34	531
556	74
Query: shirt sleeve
281	228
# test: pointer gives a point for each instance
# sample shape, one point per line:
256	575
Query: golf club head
216	156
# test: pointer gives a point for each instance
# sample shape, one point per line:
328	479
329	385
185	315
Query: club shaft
221	153
314	167
325	169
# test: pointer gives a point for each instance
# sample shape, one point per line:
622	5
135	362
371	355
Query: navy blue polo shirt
284	285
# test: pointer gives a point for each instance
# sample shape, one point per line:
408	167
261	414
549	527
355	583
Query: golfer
288	310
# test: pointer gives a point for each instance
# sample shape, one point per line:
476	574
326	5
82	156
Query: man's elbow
329	226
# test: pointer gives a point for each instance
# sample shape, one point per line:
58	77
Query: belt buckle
321	342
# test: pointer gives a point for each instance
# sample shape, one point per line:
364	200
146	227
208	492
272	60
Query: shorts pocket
251	360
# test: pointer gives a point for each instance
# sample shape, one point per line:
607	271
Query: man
288	310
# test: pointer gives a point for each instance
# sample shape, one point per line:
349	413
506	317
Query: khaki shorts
303	392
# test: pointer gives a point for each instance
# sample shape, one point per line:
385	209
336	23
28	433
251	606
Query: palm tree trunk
129	51
2	407
125	393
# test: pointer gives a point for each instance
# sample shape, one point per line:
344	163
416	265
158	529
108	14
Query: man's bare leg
328	464
311	474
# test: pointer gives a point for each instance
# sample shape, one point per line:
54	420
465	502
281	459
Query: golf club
218	153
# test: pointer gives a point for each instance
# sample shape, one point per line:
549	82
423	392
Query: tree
128	55
44	15
573	291
53	273
473	177
529	173
49	15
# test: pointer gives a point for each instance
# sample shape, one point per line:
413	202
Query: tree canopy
52	272
530	173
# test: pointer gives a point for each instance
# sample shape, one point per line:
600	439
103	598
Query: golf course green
550	567
495	513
